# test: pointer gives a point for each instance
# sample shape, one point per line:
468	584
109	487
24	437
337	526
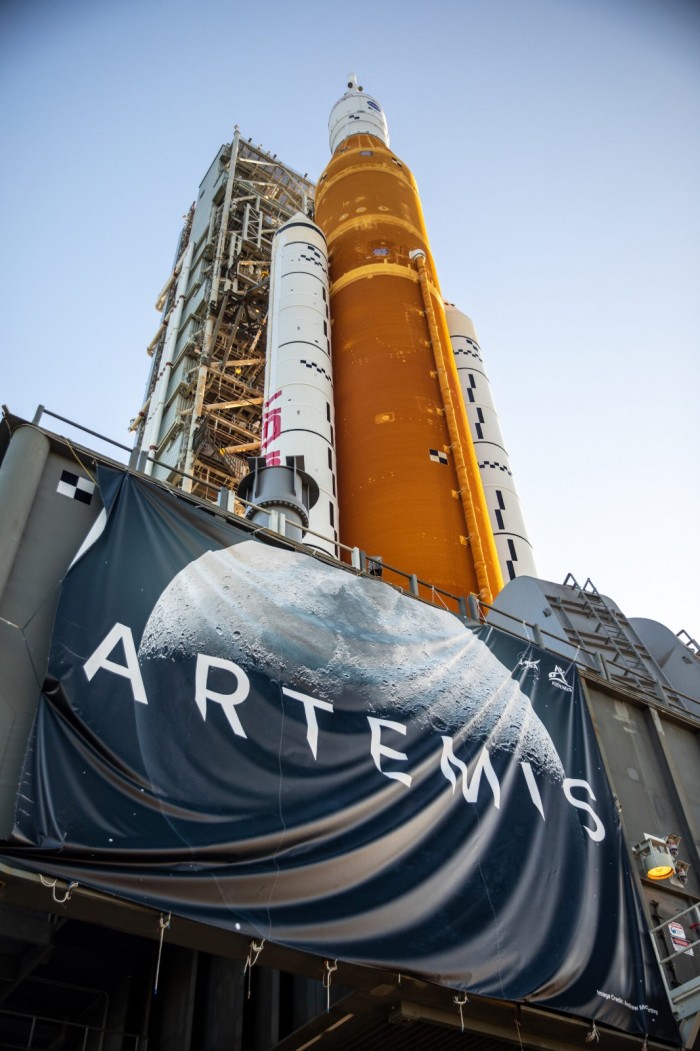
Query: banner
249	737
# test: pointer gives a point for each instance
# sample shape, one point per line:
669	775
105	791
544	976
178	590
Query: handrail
42	411
466	605
66	1023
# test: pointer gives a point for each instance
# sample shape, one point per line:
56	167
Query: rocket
408	481
507	522
298	412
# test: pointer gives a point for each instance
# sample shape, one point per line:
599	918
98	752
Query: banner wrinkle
248	737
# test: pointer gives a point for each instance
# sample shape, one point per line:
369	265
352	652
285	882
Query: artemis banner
246	736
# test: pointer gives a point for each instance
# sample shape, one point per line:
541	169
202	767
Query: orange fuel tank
408	480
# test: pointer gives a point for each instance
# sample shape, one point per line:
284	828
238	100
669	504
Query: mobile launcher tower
391	430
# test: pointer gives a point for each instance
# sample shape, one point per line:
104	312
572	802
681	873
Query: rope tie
79	461
436	596
163	923
593	1035
327	979
460	1001
52	884
254	950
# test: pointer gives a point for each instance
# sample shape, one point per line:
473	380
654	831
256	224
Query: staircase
685	998
593	624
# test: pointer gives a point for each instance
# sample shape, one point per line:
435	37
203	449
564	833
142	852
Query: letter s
598	833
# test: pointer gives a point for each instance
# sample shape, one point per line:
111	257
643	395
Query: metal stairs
685	998
609	634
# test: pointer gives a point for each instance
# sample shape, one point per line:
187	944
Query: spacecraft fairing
298	413
356	113
408	481
512	542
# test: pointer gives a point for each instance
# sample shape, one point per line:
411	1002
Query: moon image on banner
323	630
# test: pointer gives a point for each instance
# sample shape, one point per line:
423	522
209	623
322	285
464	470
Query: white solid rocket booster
298	416
512	542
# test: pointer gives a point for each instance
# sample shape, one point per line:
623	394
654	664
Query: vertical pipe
220	245
466	484
151	437
196	413
209	327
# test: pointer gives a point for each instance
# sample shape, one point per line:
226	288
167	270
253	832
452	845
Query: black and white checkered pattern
76	487
313	365
438	457
496	465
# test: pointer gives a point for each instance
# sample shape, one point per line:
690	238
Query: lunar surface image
323	630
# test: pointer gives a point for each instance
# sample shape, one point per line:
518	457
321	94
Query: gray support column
173	1004
267	1009
309	1000
20	478
223	1028
266	993
20	475
690	834
41	528
116	1019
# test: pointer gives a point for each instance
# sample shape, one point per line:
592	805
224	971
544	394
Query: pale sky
556	146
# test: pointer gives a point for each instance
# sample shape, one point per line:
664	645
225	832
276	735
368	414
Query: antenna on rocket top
352	82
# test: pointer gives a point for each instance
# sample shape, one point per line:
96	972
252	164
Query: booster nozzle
352	83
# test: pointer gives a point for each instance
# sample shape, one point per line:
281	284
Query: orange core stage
408	479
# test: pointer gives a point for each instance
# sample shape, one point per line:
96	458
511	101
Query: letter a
130	670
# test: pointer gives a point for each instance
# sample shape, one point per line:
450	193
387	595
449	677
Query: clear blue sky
556	145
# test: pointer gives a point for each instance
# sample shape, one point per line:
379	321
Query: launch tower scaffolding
209	351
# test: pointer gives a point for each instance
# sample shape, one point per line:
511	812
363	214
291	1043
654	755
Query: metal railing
470	607
684	998
38	1032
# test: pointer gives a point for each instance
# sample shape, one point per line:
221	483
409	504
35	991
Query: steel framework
213	366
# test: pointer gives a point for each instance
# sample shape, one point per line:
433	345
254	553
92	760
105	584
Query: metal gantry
209	351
